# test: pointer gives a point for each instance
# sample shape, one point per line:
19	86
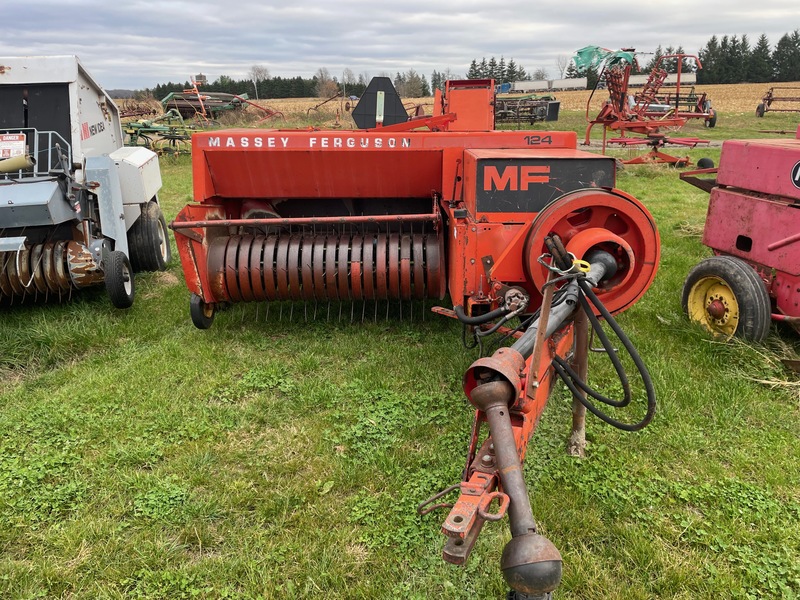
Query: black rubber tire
119	279
745	298
148	240
514	595
760	110
202	314
711	121
705	163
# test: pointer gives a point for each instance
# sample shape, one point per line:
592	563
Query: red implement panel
757	230
766	166
243	163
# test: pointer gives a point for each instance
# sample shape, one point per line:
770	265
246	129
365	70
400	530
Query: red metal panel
766	166
754	229
243	163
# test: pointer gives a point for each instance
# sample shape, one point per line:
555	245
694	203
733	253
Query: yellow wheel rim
713	304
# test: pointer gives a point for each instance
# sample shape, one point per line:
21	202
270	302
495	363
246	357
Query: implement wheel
148	240
726	296
760	110
201	312
711	121
119	279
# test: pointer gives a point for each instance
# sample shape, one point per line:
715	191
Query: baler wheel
727	297
149	241
202	313
119	279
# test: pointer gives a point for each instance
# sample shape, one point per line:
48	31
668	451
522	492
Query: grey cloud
135	43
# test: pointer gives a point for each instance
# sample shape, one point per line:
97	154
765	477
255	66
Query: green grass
271	457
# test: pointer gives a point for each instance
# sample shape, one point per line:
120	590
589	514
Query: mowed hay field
282	453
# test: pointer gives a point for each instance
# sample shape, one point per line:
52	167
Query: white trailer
526	87
573	83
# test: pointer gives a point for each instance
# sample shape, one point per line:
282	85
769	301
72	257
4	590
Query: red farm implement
527	234
787	99
753	228
649	113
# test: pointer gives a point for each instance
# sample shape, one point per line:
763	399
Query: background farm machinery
525	108
166	133
527	234
787	98
650	112
76	208
753	229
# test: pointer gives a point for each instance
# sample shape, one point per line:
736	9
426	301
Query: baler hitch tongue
500	387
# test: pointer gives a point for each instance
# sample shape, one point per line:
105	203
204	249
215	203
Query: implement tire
148	240
727	297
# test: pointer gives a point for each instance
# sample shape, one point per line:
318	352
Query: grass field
275	457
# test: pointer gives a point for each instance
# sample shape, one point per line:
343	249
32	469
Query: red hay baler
512	224
753	228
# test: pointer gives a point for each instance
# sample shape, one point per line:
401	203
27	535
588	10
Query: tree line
732	59
726	59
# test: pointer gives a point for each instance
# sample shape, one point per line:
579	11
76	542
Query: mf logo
796	175
514	178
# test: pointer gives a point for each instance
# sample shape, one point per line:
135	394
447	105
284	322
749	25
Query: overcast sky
135	44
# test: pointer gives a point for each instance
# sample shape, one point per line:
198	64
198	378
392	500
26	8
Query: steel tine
315	309
363	309
291	311
328	318
280	316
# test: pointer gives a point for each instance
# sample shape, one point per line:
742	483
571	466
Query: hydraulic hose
575	384
478	319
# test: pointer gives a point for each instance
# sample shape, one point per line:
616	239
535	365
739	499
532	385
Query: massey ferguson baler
516	226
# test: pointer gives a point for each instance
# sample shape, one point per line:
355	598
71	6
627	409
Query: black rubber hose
573	382
478	319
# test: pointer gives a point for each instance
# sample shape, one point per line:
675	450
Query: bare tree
326	85
258	73
539	74
561	64
348	78
449	75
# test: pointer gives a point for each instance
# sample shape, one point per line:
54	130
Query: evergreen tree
483	69
710	58
502	76
511	71
491	73
786	57
436	80
521	74
571	72
653	61
474	70
759	67
426	89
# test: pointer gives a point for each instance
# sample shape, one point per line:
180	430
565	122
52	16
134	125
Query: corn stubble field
277	457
